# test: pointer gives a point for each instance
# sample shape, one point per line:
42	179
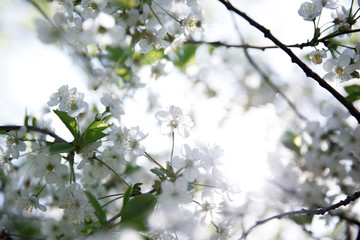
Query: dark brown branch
319	211
263	48
336	34
308	72
35	129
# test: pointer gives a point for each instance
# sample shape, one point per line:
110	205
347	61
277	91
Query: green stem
153	160
172	147
112	195
167	12
111	201
36	195
327	29
203	185
97	159
36	5
352	4
72	171
155	15
23	237
178	171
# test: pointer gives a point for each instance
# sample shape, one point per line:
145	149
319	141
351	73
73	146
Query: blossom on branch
14	143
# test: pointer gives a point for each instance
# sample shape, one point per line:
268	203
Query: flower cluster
107	31
69	101
342	66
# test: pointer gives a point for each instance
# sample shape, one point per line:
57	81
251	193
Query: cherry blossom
174	119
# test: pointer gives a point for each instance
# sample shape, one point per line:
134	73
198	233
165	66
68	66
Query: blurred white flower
174	119
174	193
102	30
332	4
153	39
114	104
317	56
29	203
73	200
223	231
190	162
14	143
132	145
50	167
310	10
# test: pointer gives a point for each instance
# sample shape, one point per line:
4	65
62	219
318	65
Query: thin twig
35	129
263	48
265	77
319	211
275	88
309	73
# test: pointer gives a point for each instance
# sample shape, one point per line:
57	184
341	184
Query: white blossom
29	203
114	104
332	4
310	10
317	56
132	145
153	39
50	167
14	143
73	200
69	101
174	193
224	231
174	119
102	30
190	162
339	69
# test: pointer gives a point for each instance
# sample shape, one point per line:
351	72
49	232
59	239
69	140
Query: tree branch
35	129
308	72
319	211
263	48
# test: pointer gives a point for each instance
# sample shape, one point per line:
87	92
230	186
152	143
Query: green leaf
61	148
186	56
69	122
302	219
34	121
26	119
3	179
94	131
99	212
127	195
3	132
291	142
353	91
158	172
138	207
93	135
89	228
